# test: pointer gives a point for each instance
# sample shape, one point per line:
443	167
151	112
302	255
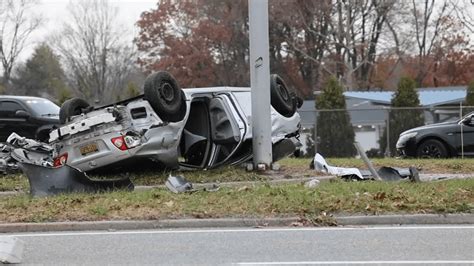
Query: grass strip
290	168
338	197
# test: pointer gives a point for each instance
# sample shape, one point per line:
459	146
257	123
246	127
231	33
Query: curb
416	219
412	219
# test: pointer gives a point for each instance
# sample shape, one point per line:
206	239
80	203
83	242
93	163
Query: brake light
126	142
119	142
60	160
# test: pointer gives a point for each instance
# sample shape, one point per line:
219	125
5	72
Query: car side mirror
22	114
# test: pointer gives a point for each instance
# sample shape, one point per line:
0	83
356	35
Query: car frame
209	127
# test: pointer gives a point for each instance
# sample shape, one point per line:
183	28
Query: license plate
89	148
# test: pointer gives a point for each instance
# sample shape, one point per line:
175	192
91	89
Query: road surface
256	246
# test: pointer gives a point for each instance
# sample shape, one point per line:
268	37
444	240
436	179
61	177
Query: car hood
431	126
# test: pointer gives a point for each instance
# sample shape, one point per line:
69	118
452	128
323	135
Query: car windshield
43	107
464	117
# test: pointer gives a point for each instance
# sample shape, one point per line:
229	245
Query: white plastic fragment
312	183
321	165
11	250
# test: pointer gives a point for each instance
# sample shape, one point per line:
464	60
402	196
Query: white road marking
358	262
241	230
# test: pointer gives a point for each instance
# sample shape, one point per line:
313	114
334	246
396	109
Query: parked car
439	140
191	128
31	117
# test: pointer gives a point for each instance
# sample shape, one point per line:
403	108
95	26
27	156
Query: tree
469	98
16	25
202	43
97	57
401	116
42	75
334	127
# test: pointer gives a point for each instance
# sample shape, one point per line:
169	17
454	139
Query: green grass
337	197
290	168
14	182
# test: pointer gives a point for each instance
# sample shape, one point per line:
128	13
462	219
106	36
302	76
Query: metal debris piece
312	183
383	174
321	165
178	184
46	181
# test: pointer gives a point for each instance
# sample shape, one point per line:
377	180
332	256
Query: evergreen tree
334	127
42	75
402	118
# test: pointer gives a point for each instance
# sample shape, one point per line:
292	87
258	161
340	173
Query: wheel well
449	149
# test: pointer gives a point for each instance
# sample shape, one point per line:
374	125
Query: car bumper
407	148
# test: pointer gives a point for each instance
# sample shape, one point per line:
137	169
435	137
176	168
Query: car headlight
405	137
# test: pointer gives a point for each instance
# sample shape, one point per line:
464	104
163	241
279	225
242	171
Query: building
368	110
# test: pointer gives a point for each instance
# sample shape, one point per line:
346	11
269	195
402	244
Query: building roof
427	96
362	107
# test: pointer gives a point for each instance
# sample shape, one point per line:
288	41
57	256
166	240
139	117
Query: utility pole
260	84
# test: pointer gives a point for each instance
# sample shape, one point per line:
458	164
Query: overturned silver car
171	127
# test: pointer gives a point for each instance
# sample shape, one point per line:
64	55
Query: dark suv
30	117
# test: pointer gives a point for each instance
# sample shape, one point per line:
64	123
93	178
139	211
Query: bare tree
356	30
428	22
16	25
97	57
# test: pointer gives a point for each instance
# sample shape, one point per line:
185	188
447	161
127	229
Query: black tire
164	95
72	107
432	148
282	99
42	133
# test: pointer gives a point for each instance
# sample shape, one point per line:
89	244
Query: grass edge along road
315	204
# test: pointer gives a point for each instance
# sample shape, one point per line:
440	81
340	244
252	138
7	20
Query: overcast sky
55	12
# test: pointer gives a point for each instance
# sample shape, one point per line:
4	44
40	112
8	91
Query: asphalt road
368	245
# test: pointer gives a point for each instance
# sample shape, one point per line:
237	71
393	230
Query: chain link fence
376	128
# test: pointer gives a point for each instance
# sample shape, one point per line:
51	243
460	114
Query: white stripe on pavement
358	262
242	230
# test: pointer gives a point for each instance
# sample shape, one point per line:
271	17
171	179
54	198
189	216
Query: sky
54	12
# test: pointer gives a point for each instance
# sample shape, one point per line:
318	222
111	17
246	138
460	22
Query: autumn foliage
205	43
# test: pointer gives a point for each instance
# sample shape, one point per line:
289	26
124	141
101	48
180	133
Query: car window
8	109
43	107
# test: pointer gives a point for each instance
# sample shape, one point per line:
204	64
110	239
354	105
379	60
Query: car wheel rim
167	92
283	92
431	151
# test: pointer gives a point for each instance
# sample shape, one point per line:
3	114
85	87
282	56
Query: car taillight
119	142
126	142
60	160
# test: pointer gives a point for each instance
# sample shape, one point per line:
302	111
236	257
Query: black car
30	117
439	140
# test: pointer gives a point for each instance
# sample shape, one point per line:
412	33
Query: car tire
42	133
432	148
165	96
282	99
71	108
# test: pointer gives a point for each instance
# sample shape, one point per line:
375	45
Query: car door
466	138
227	129
11	120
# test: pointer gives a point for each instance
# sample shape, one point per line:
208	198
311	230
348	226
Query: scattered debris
384	173
46	181
35	160
178	184
321	165
312	183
